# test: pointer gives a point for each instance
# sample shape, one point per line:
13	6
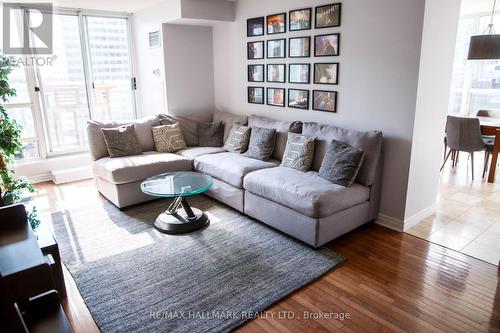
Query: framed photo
324	100
299	19
326	45
276	48
326	73
299	47
276	24
276	73
255	73
298	73
256	95
255	50
255	26
298	99
327	16
276	96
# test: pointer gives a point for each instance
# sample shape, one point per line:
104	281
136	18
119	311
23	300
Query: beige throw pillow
238	139
168	138
299	152
121	141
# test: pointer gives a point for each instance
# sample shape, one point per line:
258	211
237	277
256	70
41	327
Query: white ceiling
129	6
477	6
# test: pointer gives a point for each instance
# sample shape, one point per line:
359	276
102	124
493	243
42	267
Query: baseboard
390	222
424	213
44	177
72	175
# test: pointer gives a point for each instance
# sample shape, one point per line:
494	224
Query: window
475	84
90	78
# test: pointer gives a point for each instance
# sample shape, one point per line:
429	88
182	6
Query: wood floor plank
389	282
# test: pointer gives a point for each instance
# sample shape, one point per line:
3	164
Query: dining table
491	126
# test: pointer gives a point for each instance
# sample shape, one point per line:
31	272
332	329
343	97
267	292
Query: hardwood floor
390	282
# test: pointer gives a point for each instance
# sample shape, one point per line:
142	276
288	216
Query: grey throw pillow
261	145
168	138
238	139
121	141
211	134
299	152
341	163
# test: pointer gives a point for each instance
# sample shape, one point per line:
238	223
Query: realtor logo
27	28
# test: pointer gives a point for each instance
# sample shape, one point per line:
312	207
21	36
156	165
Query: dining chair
464	134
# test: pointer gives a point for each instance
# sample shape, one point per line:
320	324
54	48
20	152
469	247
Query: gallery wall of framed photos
288	49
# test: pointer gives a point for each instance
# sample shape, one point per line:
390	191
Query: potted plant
12	190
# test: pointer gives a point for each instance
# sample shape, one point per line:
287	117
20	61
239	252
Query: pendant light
487	45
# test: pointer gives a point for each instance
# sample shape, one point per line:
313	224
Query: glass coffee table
179	217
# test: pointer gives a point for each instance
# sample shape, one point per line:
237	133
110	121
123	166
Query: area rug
133	278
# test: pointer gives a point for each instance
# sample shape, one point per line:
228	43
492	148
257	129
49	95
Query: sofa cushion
237	141
228	119
282	129
341	163
193	152
122	170
306	193
368	141
142	127
121	141
299	152
189	127
230	167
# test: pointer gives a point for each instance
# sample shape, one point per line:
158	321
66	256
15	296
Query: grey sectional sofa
301	204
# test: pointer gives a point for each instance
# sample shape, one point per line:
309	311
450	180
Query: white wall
436	65
189	71
379	59
151	88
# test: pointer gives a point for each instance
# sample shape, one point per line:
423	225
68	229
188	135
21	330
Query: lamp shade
483	47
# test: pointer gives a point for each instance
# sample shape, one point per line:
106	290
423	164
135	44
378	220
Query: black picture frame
249	57
336	47
250	78
269	94
315	73
282	29
307	55
335	21
249	89
276	81
295	106
307	65
282	47
255	21
291	20
314	105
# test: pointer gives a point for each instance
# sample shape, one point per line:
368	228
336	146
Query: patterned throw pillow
262	142
121	141
299	152
238	139
168	138
211	134
341	163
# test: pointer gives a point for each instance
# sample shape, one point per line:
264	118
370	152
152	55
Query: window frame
33	77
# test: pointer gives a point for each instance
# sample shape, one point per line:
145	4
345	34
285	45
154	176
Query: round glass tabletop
176	184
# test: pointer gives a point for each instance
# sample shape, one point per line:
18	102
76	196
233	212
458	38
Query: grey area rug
133	278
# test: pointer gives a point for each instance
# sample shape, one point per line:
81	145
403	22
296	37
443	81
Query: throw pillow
168	138
299	152
211	134
238	139
341	163
188	127
262	142
121	141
